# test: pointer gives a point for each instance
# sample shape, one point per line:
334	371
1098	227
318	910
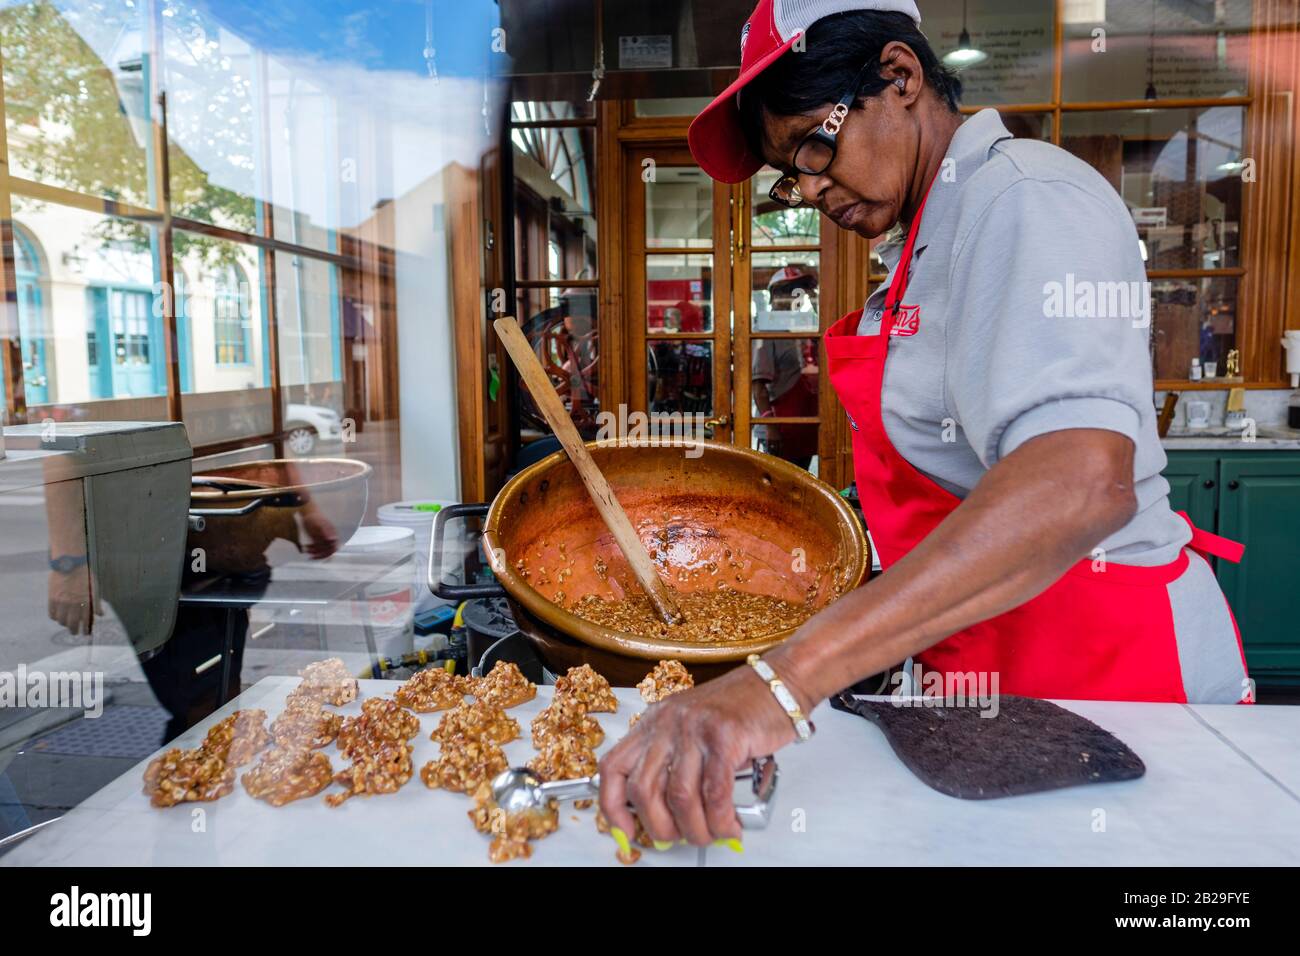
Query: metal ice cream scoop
519	790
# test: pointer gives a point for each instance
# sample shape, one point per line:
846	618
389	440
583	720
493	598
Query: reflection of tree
778	222
55	79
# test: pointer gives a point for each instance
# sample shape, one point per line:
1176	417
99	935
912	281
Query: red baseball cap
716	139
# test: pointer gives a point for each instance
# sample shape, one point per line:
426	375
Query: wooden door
678	291
727	295
780	313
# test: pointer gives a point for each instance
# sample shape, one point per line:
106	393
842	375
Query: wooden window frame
351	257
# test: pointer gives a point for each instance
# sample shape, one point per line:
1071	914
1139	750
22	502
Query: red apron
1092	635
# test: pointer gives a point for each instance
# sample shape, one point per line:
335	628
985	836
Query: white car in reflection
307	425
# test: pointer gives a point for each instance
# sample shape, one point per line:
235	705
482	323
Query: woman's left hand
677	766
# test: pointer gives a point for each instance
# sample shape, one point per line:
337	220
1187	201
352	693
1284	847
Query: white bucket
418	515
387	604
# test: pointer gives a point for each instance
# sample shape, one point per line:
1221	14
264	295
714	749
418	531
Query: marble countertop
1222	788
1218	438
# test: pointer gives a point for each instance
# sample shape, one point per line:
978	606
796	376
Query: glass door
678	294
777	338
724	304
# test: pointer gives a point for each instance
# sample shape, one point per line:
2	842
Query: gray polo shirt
1034	317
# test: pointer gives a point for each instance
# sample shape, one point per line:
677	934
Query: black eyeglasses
816	151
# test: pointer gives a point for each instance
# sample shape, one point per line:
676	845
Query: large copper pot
237	511
790	535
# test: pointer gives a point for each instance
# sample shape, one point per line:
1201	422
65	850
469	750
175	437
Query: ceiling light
966	53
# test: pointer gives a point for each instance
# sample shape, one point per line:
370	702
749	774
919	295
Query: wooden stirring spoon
615	518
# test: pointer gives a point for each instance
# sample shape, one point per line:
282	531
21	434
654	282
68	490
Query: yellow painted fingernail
662	845
621	839
731	843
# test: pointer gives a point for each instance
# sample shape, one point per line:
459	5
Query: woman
1005	446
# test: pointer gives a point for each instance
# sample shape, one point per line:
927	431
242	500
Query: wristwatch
67	563
803	727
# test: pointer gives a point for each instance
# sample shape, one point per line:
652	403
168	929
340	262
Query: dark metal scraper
1029	746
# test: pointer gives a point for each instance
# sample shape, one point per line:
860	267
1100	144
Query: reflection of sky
373	34
381	35
1218	141
359	63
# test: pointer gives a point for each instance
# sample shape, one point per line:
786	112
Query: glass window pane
221	336
306	164
679	293
213	118
1028	125
76	95
1163	50
784	291
795	443
309	323
784	377
540	111
1179	172
671	106
562	326
679	377
1193	318
1015	39
555	221
90	323
679	208
777	225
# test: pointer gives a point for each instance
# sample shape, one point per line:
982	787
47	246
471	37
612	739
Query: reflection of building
92	315
307	202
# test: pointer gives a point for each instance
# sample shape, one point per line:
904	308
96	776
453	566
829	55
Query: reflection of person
1008	465
72	598
176	673
784	376
690	317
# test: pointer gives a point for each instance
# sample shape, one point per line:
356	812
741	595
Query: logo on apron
908	320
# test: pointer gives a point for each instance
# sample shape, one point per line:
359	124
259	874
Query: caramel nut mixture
181	776
327	681
505	686
285	774
479	720
585	685
381	719
718	616
379	765
566	717
566	759
668	678
305	722
238	738
432	689
510	831
463	765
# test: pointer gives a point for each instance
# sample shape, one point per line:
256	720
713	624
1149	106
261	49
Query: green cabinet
1193	483
1254	498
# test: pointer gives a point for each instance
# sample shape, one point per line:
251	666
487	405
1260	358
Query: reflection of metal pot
796	537
237	511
